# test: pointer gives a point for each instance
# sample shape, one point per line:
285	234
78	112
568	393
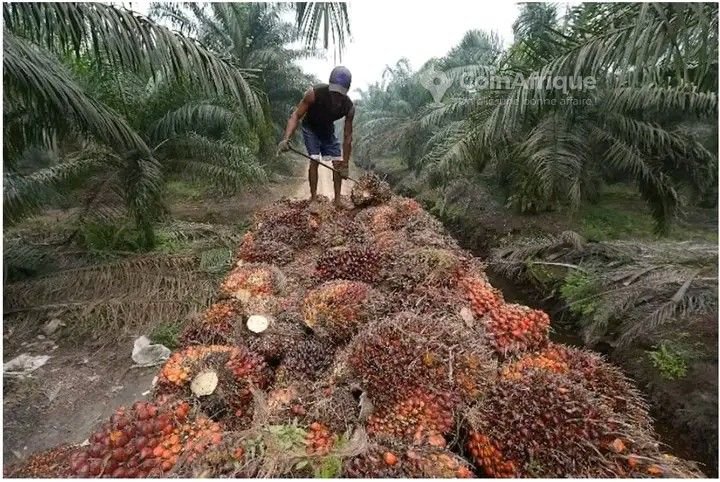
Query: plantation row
366	343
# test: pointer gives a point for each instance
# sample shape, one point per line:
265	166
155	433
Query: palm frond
37	77
657	98
325	21
655	186
129	41
226	164
635	288
25	194
556	154
194	116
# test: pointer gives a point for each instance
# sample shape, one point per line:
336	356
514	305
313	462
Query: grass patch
621	213
178	190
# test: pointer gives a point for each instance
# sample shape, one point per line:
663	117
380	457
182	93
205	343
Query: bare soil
68	396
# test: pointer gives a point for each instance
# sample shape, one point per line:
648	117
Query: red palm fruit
482	296
352	262
252	281
421	417
515	329
337	309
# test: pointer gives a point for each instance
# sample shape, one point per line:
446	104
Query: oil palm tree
253	36
47	105
44	100
656	72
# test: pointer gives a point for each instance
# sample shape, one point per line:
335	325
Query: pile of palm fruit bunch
364	342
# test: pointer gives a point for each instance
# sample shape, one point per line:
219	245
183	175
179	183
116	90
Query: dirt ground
67	397
82	384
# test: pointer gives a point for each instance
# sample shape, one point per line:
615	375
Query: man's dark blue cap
340	79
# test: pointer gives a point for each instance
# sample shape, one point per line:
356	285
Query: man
321	106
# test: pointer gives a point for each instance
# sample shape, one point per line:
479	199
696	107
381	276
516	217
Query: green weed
167	334
105	237
576	290
670	360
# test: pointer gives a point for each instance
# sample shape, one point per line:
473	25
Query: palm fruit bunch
335	406
252	282
337	309
378	219
353	263
258	249
405	208
370	190
422	417
393	216
430	238
277	341
429	267
307	360
544	425
216	325
413	350
229	459
48	464
339	232
319	439
422	221
147	440
288	403
269	451
553	359
590	371
514	329
482	296
288	221
391	242
389	459
236	371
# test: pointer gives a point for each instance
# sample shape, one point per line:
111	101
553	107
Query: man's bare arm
347	135
299	113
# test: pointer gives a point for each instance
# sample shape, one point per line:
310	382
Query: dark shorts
326	147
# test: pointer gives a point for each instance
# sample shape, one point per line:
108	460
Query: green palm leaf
129	41
40	80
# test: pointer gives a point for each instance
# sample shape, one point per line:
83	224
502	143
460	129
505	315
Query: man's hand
283	146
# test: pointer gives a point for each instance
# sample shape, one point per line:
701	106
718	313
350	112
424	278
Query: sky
385	31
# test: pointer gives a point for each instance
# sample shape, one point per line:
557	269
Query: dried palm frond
627	289
125	295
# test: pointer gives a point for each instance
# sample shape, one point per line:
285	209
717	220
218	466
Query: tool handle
320	162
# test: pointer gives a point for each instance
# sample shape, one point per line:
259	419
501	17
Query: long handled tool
321	163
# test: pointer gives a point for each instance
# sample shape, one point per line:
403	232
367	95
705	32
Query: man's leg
312	145
313	178
341	171
331	149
